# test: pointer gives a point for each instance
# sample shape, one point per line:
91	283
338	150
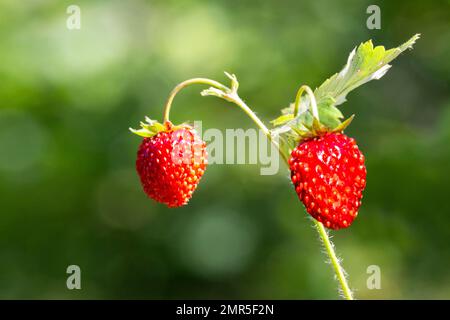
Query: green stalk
185	84
230	94
329	247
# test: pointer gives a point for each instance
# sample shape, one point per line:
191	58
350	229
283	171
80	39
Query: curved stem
185	84
312	100
238	101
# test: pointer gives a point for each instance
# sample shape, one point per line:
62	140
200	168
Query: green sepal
344	124
149	128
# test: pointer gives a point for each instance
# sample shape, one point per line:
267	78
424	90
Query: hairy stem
329	247
232	96
241	104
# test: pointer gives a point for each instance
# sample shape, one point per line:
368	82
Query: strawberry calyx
305	120
150	127
305	131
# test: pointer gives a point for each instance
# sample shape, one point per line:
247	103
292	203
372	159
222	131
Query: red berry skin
329	176
170	165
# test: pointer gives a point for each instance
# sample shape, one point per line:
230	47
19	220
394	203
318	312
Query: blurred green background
69	193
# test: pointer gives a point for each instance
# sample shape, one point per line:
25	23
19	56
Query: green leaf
364	64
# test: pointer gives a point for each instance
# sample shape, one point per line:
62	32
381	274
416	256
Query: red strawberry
170	164
329	176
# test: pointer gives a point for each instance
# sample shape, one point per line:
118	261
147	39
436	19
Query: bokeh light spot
216	243
121	203
22	141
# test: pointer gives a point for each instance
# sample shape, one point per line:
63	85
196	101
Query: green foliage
365	63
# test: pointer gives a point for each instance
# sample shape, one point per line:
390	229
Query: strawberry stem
185	84
329	247
312	99
231	95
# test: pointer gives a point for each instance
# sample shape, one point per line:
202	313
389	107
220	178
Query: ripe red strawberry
329	176
170	165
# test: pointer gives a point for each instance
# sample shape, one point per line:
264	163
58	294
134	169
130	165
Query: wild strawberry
329	176
170	163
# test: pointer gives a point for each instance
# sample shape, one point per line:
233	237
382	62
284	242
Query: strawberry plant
327	167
